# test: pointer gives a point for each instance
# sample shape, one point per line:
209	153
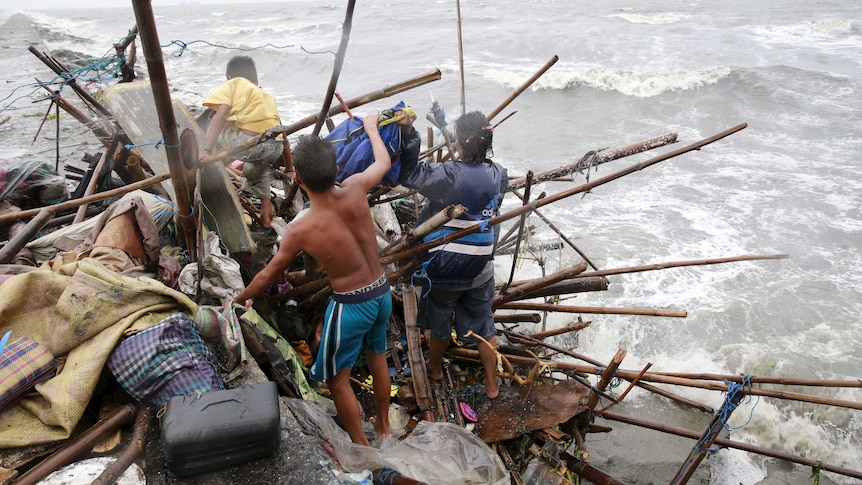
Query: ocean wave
624	81
805	33
651	19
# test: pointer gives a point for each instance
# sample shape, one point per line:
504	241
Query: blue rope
156	144
109	66
185	45
746	382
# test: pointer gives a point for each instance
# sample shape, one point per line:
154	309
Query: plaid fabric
219	327
166	360
23	364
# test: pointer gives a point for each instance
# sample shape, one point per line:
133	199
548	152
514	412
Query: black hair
314	161
476	136
241	66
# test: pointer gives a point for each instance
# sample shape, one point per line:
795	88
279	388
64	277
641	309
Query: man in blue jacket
460	273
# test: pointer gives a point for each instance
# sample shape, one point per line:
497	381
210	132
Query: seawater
626	71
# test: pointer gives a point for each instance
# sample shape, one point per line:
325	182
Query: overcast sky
47	4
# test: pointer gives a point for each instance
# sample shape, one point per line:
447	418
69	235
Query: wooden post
608	374
91	187
461	58
698	453
336	70
161	92
421	386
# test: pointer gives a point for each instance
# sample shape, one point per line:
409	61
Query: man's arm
287	252
218	121
372	175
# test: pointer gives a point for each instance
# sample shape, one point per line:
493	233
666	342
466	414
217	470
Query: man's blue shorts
353	321
471	309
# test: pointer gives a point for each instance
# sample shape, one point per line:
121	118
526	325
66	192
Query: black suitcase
220	428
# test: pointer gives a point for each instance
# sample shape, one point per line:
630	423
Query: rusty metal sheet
521	409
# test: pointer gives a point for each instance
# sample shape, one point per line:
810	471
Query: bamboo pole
576	285
161	93
385	92
522	220
549	307
601	157
60	70
698	452
597	369
91	187
74	448
435	221
720	386
523	87
766	380
559	331
566	193
558	231
538	283
336	70
612	416
136	446
518	318
678	264
461	58
607	375
632	384
21	239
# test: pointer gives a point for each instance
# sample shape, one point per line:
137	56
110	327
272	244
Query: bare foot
435	373
380	429
492	386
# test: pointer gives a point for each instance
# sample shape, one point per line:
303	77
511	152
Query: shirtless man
338	232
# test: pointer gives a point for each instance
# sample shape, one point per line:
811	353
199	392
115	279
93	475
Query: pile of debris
126	251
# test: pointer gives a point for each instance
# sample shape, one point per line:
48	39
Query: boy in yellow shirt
242	112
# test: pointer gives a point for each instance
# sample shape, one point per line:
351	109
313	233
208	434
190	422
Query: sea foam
641	84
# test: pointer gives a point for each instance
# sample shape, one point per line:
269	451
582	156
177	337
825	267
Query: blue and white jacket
466	262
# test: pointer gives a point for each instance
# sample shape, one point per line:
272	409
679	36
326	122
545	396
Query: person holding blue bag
353	151
459	274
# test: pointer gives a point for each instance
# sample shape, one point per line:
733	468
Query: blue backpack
353	151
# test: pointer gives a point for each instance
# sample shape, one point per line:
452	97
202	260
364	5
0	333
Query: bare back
339	233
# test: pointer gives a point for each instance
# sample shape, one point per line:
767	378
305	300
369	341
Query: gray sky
48	4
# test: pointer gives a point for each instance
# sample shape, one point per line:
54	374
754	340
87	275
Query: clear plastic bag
32	184
439	453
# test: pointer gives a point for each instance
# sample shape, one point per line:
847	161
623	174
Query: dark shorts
471	310
258	162
353	321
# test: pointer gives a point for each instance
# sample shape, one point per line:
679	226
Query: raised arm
372	175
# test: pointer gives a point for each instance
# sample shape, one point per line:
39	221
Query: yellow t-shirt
251	108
